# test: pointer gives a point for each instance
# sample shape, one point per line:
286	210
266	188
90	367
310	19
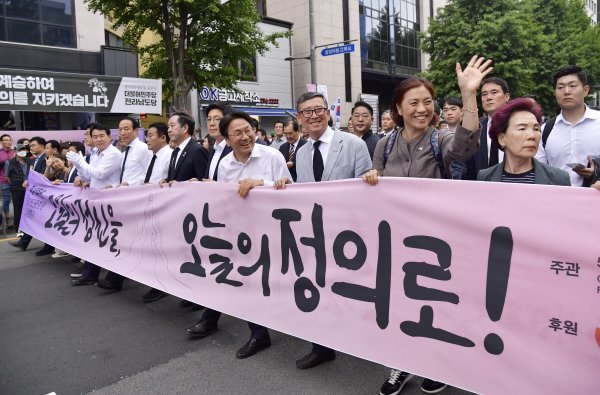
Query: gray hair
310	95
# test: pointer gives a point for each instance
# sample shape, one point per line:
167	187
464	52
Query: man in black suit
494	94
37	146
214	113
189	159
291	131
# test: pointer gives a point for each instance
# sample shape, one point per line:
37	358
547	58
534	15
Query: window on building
375	34
112	40
47	22
261	7
248	70
406	28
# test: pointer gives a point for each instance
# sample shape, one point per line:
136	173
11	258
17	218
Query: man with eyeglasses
249	165
214	113
362	119
330	155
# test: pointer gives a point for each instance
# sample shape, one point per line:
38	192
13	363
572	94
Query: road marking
11	239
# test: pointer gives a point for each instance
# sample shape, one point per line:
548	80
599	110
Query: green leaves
527	40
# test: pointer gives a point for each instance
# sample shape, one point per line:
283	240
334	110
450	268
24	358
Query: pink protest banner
489	287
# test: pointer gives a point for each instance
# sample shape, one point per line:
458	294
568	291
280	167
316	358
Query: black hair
133	121
223	107
54	144
97	126
568	70
40	140
495	80
362	104
161	129
78	146
185	119
452	101
227	119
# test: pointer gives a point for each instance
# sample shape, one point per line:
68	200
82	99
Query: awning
267	111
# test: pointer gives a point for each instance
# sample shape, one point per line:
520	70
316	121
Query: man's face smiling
314	124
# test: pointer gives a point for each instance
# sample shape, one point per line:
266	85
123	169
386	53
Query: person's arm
469	80
102	168
362	163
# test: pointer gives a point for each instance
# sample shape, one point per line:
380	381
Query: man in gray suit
328	155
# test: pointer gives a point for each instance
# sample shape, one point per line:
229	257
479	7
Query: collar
326	137
162	150
589	114
221	146
184	143
257	152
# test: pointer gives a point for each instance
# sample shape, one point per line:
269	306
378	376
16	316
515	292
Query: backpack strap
547	129
434	140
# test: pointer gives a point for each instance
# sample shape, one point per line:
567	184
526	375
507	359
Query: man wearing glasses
249	165
329	155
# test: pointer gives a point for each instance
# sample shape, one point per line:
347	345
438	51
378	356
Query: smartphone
576	166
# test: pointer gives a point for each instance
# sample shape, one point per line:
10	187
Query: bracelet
471	111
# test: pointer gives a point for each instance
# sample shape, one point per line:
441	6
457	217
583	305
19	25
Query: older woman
416	149
516	129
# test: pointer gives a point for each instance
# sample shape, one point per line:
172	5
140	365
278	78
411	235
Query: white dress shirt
181	148
265	163
572	143
489	142
137	161
326	140
105	170
161	164
215	159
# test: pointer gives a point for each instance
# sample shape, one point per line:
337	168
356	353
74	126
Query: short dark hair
362	104
161	129
568	70
40	140
452	101
22	140
223	107
281	122
97	126
293	122
133	121
54	144
78	146
254	123
91	126
495	80
310	95
262	132
227	119
502	116
5	135
184	119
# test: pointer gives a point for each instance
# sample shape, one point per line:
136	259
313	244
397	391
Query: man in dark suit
37	146
214	113
291	131
189	159
494	94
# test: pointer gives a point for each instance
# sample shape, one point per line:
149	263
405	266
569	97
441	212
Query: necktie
123	167
317	161
150	168
172	164
292	152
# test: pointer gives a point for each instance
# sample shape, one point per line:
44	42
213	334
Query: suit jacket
225	151
544	174
348	157
285	150
40	166
192	163
480	159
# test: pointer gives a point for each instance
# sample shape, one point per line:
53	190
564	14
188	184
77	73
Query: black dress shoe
83	281
153	295
45	251
252	347
311	360
195	307
17	244
201	329
108	286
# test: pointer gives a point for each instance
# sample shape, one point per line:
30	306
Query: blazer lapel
332	155
224	153
182	158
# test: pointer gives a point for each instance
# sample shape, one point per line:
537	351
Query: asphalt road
73	340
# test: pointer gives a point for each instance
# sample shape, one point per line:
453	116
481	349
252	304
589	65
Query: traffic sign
338	50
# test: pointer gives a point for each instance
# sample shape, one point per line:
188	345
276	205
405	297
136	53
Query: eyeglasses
215	120
240	132
317	111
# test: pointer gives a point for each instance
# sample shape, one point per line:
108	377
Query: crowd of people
509	144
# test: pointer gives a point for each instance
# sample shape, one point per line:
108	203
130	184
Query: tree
527	40
201	42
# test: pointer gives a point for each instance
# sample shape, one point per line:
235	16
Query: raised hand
470	78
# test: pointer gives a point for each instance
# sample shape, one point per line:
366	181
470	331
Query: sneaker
59	254
395	382
76	275
432	387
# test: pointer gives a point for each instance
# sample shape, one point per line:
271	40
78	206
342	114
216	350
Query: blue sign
338	50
